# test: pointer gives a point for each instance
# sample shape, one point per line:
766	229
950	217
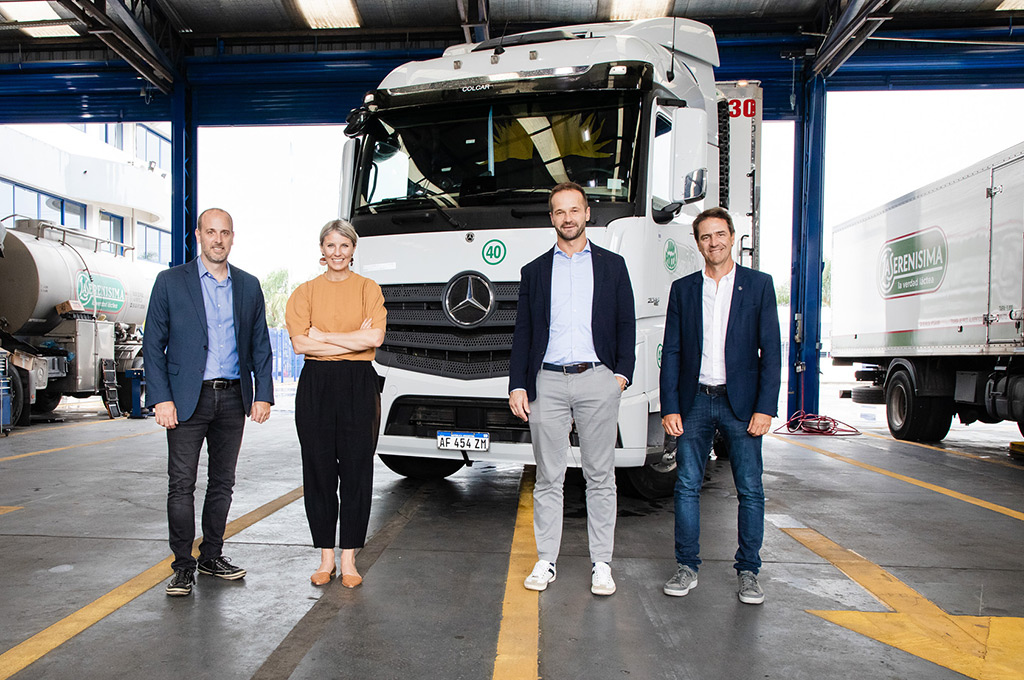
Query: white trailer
446	179
928	291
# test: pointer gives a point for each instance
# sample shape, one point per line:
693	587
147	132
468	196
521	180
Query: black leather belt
713	390
571	368
220	383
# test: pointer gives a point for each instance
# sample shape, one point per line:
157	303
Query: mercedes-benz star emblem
468	299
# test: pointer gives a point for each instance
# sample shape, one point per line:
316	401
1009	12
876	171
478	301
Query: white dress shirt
717	301
570	339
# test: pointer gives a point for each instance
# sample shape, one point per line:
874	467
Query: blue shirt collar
559	251
203	271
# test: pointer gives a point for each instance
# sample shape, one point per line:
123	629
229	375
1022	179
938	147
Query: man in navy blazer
206	340
721	368
573	352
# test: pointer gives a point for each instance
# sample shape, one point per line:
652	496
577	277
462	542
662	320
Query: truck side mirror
689	155
349	155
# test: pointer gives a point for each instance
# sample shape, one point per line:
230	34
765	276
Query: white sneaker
601	581
543	573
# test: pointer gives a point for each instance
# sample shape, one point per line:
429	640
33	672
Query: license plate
464	441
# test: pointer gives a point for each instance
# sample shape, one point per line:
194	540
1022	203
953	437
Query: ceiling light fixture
1010	4
37	11
628	10
329	13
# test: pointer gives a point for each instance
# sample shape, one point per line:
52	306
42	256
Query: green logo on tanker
494	251
671	257
103	293
913	264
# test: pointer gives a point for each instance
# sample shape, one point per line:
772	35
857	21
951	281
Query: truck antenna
671	75
499	49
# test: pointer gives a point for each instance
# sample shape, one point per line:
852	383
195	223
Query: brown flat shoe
322	578
351	580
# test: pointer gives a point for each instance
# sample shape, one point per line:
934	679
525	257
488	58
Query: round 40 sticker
494	251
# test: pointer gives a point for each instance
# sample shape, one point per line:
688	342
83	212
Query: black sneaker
221	568
181	583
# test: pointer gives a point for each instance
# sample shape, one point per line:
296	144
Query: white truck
446	178
70	309
929	295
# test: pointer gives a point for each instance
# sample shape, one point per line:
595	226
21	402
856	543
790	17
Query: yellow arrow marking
4	509
982	647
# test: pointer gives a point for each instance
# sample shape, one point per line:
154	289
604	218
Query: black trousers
219	419
337	416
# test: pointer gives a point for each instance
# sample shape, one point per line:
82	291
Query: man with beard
572	356
206	340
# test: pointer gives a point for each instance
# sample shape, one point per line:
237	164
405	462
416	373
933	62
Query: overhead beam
473	14
145	57
856	24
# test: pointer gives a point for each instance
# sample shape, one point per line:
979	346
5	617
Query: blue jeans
708	414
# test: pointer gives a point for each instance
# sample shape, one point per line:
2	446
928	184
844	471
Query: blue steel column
808	228
183	175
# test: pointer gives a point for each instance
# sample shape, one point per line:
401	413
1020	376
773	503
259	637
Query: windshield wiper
504	196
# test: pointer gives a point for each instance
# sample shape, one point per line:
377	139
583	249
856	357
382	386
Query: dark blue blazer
613	318
174	344
753	352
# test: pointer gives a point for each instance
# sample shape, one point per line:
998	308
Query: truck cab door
1006	268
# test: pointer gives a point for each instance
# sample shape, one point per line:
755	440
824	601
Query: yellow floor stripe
964	454
75	446
4	509
519	635
983	647
1016	514
19	657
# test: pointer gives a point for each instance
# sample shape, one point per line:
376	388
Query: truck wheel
46	401
21	411
902	408
421	468
653	479
1020	426
868	395
939	417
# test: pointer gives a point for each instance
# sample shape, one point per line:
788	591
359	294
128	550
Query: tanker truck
70	309
929	296
446	175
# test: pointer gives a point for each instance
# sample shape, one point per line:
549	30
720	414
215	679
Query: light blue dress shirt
222	348
570	339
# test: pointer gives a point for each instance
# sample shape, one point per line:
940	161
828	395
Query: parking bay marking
1016	514
980	647
22	655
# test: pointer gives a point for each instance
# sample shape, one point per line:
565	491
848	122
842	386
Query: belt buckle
219	383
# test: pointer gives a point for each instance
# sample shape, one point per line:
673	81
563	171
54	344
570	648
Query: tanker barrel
37	274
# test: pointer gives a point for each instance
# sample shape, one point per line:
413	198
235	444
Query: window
152	147
114	135
6	202
661	162
153	244
112	228
29	203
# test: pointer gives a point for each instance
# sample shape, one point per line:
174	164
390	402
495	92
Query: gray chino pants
592	399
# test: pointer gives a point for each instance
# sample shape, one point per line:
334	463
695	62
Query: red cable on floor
801	423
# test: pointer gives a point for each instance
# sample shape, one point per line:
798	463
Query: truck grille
420	337
424	416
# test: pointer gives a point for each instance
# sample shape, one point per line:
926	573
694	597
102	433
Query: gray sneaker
684	581
750	590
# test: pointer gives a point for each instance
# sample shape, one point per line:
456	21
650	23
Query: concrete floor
91	517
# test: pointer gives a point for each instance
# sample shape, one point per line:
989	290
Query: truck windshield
497	151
